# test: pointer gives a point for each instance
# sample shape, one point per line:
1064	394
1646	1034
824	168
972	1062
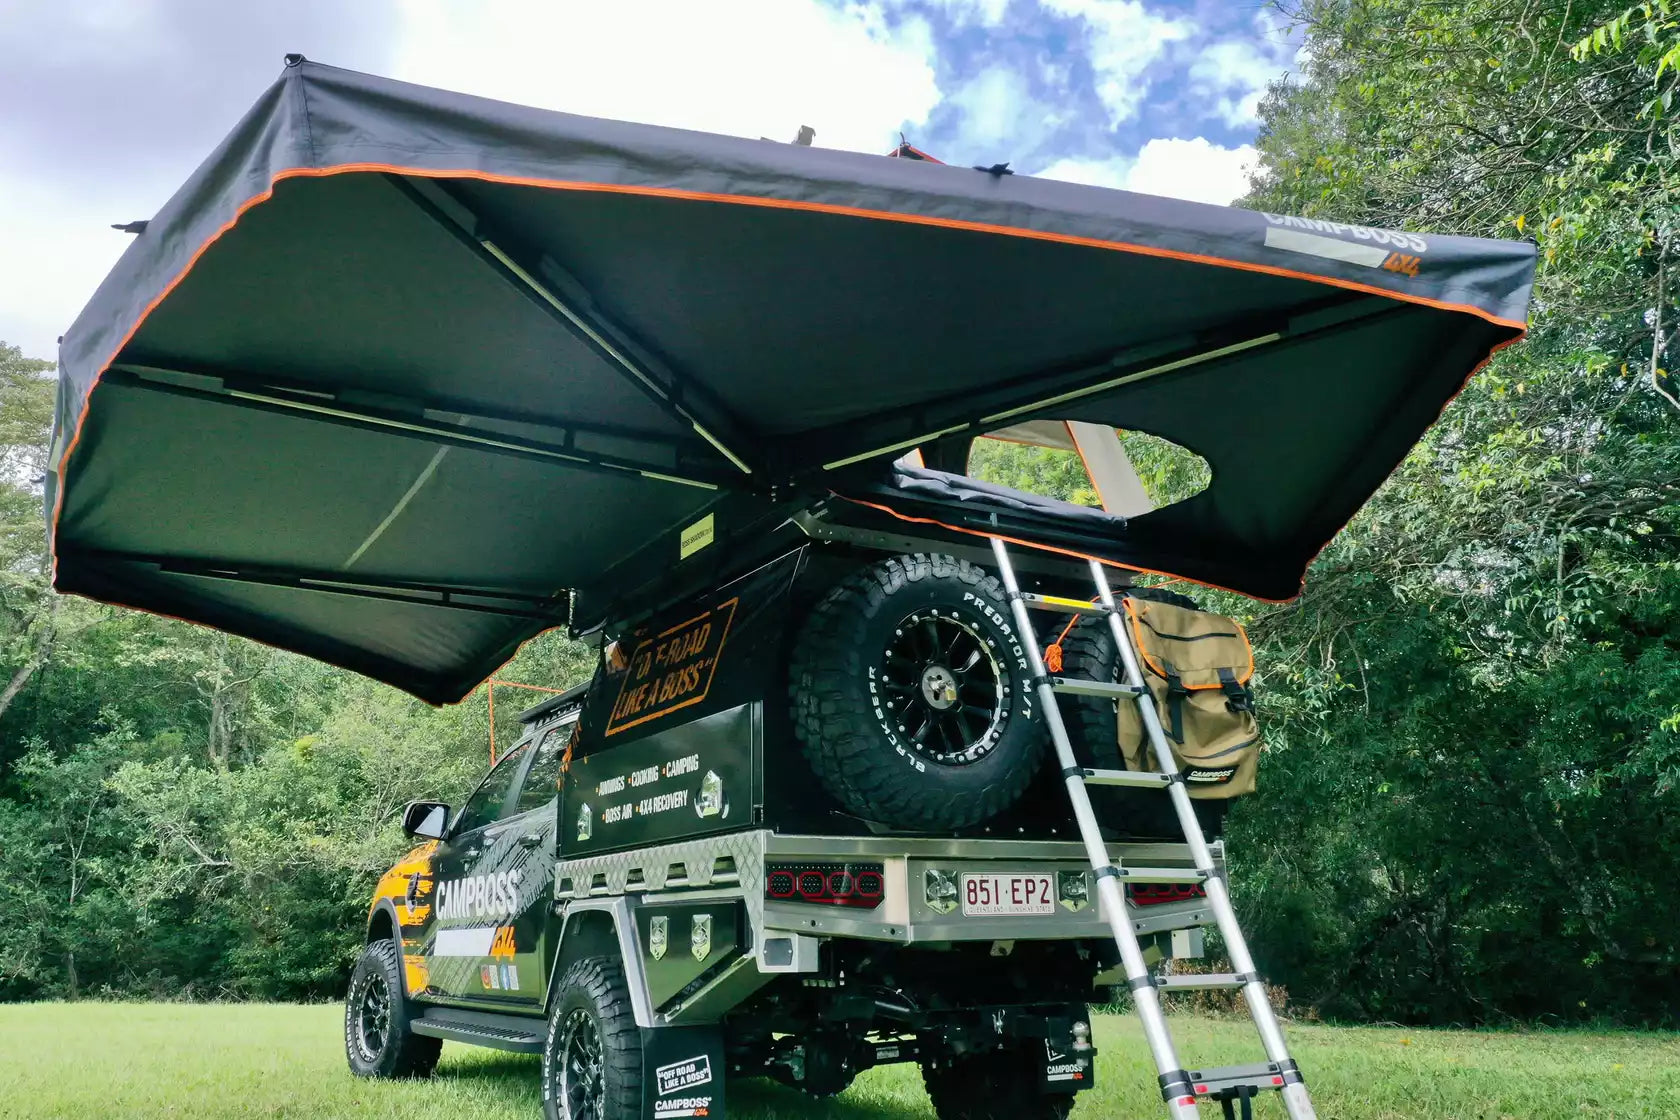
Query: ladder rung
1221	1079
1161	875
1062	604
1148	779
1211	981
1074	686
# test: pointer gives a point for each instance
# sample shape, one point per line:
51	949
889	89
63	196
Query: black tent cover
397	369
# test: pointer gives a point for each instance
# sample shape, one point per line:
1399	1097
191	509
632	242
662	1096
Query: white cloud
1090	172
1125	39
1231	77
994	107
1196	170
999	117
757	68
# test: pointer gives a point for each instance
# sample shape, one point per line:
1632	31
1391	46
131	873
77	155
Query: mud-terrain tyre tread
405	1054
839	733
1000	1085
597	984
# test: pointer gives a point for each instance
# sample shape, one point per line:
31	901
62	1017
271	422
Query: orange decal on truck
673	669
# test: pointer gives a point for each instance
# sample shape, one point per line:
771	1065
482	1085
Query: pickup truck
660	896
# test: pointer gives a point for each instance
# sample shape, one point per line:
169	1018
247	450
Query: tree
1474	705
28	608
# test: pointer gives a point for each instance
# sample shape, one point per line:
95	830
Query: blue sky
111	103
1091	82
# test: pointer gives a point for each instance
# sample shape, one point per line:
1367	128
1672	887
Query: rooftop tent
398	370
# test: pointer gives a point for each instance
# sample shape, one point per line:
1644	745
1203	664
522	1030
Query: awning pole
551	609
608	340
320	406
1299	329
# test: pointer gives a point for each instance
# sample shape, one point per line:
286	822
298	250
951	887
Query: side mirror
426	820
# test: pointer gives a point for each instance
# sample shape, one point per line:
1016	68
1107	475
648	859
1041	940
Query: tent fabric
397	371
940	488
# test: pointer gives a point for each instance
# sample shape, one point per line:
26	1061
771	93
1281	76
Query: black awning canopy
397	369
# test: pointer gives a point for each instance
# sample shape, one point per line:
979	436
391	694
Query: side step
520	1034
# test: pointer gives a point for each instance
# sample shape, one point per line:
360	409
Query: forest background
1469	801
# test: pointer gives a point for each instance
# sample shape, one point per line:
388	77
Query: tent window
1124	472
1046	471
1169	473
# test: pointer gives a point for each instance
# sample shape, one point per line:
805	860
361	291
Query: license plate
992	893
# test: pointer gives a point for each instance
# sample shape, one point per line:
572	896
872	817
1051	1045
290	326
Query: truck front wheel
999	1085
592	1061
377	1038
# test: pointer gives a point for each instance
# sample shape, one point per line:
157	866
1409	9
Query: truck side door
524	953
470	903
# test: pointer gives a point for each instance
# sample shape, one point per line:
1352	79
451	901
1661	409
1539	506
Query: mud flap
682	1073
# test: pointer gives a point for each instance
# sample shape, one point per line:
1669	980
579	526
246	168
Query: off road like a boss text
672	670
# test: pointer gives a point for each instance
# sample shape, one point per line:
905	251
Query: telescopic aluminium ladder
1180	1087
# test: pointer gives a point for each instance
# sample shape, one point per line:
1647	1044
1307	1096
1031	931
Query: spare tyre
912	697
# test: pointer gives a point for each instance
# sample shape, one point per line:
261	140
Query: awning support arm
611	342
1128	367
552	609
260	395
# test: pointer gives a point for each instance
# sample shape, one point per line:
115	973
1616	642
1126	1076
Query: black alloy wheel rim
583	1086
943	688
373	1017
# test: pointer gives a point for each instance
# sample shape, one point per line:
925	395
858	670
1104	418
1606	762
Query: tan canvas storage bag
1197	666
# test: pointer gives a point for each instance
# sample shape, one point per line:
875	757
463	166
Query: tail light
857	885
1155	894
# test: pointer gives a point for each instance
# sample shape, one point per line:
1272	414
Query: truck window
485	805
540	780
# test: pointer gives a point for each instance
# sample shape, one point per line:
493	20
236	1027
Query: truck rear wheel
592	1060
377	1038
999	1085
912	697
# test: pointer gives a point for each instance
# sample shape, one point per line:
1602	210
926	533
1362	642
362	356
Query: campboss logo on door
672	669
479	896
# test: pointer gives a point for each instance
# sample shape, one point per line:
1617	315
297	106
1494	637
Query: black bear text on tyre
377	1038
912	695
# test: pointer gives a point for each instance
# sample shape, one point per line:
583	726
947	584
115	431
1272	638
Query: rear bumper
909	912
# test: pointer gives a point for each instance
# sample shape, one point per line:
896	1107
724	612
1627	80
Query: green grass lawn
81	1061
